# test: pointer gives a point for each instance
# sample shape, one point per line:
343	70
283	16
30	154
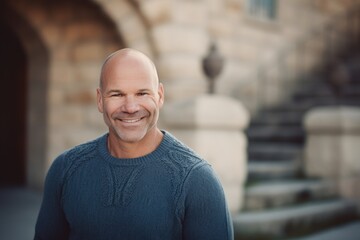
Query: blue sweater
168	194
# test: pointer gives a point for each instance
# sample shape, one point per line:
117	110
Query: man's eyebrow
144	90
114	91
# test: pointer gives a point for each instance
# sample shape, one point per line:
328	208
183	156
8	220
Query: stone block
349	188
175	66
172	38
190	13
81	97
156	11
116	9
132	27
183	88
220	27
333	147
82	31
65	116
93	118
52	35
87	51
143	46
61	73
207	112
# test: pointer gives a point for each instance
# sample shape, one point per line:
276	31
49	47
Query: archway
63	44
25	73
13	68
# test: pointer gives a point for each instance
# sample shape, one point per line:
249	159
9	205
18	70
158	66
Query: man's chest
120	205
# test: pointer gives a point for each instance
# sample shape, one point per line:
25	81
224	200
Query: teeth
130	120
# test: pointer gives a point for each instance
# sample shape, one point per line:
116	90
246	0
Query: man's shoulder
82	150
79	154
182	154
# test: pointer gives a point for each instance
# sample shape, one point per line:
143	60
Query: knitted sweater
168	194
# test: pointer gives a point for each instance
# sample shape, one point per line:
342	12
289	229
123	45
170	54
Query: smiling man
130	97
136	181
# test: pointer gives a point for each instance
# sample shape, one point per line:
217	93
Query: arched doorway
64	43
13	68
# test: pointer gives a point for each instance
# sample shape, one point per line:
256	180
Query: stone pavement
18	212
19	208
349	231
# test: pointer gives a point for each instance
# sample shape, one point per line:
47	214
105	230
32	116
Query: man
136	181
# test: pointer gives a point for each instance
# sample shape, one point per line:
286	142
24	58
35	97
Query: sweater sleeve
51	222
206	214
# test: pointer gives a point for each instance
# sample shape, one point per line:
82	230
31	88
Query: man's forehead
126	79
130	64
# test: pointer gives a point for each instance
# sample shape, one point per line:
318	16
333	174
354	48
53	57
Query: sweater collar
164	147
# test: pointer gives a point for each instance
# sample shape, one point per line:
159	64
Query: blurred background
280	59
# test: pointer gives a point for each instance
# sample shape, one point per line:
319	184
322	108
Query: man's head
130	95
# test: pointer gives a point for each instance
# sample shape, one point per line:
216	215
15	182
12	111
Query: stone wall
75	37
74	46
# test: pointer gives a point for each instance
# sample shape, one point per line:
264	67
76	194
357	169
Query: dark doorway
13	95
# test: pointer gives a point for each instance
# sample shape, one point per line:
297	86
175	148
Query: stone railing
333	148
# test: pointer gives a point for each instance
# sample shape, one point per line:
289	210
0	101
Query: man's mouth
131	120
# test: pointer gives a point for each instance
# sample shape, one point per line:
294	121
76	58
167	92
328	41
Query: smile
130	120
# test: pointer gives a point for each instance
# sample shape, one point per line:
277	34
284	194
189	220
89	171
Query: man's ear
161	94
99	100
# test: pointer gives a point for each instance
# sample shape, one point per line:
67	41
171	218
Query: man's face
130	99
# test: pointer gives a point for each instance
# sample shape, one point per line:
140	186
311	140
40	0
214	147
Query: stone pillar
333	147
213	126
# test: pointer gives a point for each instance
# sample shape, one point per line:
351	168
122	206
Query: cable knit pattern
119	184
170	193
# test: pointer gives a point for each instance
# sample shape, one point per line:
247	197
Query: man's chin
131	137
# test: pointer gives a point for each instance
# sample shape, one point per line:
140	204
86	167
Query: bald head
127	58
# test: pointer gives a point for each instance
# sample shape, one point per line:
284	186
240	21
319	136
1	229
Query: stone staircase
280	202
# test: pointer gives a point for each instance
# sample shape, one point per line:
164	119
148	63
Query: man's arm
51	222
206	215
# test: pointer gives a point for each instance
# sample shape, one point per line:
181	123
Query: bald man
135	182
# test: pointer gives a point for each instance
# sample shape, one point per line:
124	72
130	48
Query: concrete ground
19	208
350	231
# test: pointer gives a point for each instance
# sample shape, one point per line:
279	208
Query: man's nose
130	105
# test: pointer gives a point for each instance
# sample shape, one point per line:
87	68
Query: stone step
276	134
272	170
291	118
351	96
323	92
293	221
274	151
292	107
318	88
268	195
349	231
352	101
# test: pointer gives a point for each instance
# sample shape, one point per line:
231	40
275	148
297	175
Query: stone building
52	52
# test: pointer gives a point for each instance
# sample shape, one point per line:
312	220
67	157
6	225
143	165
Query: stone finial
212	66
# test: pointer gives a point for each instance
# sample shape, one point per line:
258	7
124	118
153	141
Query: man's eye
143	94
116	95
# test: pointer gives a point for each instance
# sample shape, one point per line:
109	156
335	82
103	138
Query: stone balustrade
333	147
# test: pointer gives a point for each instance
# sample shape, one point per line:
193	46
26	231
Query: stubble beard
134	134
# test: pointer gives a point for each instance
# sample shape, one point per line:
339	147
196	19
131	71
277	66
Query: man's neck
148	144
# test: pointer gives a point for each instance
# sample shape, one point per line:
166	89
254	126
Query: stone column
213	126
333	147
